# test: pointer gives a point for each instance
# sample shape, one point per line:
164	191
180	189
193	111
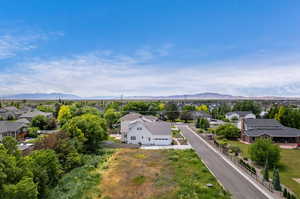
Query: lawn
158	174
289	165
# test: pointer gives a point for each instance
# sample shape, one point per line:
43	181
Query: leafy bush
235	149
33	132
228	131
247	166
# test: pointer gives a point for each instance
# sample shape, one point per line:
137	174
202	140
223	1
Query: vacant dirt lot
135	174
157	174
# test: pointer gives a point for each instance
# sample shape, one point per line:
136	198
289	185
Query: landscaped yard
157	174
289	165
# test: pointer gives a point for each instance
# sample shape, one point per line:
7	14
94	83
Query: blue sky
157	47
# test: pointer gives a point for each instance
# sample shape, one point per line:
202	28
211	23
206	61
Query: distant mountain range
49	96
207	95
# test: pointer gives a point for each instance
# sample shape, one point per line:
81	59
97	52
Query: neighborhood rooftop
34	113
10	126
270	127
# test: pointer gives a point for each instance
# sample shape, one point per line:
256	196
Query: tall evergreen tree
285	193
198	124
276	180
266	171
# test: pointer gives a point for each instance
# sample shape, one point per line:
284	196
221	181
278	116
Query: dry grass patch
133	174
157	174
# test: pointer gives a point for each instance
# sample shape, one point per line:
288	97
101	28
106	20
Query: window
133	138
139	128
160	138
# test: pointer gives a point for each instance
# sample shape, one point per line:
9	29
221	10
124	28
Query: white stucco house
145	130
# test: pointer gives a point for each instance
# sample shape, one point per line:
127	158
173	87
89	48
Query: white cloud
103	73
13	43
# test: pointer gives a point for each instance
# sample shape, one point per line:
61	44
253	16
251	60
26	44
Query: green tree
81	110
51	124
64	114
46	170
171	111
46	108
186	115
8	167
248	105
228	131
276	180
204	123
264	149
198	123
285	192
188	107
202	107
11	145
24	189
266	171
139	107
111	117
40	121
220	111
33	132
88	128
67	153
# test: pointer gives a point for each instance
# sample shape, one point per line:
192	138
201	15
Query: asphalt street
228	176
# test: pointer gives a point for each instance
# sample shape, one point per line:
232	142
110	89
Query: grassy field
289	165
158	174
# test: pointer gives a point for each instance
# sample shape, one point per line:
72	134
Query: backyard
289	165
157	174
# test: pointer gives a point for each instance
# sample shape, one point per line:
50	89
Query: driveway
237	182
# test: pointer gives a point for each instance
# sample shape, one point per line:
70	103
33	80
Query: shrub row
247	166
288	195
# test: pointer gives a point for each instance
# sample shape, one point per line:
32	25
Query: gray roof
130	117
23	120
158	127
150	117
10	126
10	108
270	127
35	113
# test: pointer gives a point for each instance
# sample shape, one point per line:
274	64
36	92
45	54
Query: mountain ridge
204	95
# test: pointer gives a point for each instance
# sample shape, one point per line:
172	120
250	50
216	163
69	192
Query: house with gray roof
6	115
31	114
251	129
11	128
145	130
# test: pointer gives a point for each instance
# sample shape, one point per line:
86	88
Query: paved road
231	179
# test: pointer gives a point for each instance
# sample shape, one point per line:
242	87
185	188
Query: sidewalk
177	147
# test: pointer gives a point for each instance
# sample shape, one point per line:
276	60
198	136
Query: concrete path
234	180
182	147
